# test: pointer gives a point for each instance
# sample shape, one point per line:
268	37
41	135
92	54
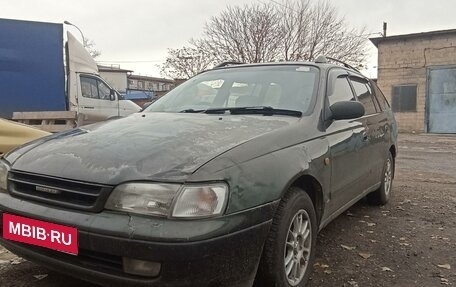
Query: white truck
88	94
39	89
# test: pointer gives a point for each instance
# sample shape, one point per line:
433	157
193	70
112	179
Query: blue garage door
441	108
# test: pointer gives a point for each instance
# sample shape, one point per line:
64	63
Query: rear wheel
290	248
383	194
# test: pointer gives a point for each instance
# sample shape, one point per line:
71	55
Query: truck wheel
383	194
289	250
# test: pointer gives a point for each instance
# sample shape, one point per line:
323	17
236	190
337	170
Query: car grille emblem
47	190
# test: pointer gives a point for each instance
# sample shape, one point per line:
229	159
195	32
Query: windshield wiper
192	111
262	110
259	110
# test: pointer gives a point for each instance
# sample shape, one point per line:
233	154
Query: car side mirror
347	110
112	95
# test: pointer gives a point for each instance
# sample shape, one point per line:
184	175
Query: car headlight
4	168
143	198
201	200
169	200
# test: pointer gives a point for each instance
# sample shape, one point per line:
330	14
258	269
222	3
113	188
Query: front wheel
289	251
383	194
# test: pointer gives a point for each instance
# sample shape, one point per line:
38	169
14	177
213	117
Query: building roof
377	40
113	69
147	78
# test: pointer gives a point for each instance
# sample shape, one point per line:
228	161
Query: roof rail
343	63
228	63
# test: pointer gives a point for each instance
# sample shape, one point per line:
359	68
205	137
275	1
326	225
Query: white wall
117	80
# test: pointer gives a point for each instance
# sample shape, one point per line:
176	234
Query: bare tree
245	34
90	47
291	30
330	35
295	26
186	62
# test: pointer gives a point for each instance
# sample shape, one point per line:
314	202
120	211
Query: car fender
266	178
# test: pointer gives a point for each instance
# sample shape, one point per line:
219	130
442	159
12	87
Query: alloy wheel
388	179
297	247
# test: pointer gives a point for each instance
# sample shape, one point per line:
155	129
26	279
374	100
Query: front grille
57	191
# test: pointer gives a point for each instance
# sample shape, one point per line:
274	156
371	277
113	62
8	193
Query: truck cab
97	101
89	94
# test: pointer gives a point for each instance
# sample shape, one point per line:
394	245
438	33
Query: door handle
86	107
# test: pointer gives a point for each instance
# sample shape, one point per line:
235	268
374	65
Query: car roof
324	66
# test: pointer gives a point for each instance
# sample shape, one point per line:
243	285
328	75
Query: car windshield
284	87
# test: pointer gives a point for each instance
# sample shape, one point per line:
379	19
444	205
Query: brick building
417	73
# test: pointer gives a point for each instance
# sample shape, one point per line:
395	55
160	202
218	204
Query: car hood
146	146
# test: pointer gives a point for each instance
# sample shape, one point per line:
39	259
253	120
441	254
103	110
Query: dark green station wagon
224	181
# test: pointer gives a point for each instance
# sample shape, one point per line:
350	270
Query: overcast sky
137	33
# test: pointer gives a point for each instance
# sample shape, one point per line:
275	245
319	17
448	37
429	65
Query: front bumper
221	251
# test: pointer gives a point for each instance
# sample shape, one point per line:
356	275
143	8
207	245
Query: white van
87	93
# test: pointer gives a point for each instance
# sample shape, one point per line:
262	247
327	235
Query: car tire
382	195
291	241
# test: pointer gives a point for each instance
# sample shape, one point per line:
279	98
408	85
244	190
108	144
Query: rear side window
364	94
374	98
342	91
381	98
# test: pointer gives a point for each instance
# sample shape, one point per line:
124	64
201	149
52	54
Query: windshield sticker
303	69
